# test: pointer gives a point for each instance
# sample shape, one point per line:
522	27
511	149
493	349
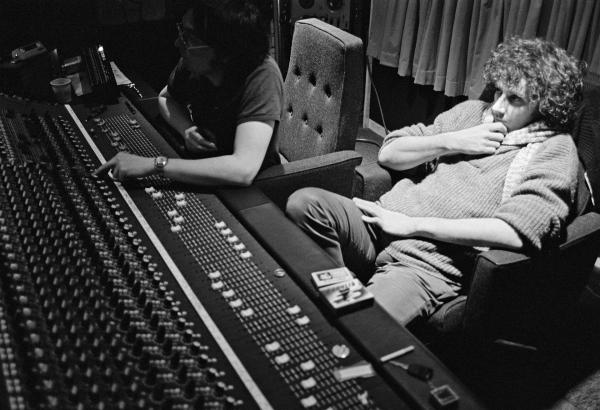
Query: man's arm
250	146
249	149
492	232
408	151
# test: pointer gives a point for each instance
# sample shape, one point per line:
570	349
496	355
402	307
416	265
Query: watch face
160	162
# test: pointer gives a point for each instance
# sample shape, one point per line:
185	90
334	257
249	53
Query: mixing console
147	295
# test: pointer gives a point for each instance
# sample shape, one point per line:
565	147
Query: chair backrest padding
323	91
586	133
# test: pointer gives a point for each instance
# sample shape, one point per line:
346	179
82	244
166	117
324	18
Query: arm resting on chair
333	171
513	295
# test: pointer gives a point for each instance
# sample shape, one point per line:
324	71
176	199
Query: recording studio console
149	294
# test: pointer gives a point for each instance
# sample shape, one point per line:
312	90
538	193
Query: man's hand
393	223
125	166
196	143
479	140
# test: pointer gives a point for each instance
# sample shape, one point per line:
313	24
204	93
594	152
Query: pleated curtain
445	43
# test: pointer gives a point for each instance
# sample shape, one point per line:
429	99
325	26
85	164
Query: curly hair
553	78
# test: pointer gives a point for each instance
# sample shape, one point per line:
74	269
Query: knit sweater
466	186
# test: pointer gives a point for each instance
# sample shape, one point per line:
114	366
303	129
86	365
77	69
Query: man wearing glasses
224	97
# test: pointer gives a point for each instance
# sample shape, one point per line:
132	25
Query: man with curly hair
499	175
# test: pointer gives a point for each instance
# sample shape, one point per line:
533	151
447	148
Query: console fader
148	295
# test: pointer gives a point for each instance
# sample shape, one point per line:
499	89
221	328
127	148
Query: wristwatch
160	163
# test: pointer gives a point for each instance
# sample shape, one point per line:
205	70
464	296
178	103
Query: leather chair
323	97
518	300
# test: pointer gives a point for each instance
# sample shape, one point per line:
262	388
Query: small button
217	285
309	401
247	312
214	275
302	321
245	255
293	310
307	365
282	359
271	347
176	228
236	303
308	383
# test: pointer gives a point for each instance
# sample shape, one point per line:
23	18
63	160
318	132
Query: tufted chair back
323	91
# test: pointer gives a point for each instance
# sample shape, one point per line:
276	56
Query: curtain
445	43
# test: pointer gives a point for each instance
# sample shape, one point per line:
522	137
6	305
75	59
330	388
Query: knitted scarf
530	138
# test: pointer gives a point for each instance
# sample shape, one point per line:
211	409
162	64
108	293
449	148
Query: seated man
224	97
503	175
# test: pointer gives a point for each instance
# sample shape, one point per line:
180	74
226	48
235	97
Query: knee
300	202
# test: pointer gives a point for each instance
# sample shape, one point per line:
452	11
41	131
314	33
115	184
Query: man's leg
335	223
407	293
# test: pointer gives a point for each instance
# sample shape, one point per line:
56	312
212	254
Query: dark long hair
237	30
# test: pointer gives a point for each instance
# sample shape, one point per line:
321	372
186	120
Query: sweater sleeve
540	205
464	115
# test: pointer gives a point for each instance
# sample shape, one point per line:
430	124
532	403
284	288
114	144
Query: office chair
323	97
515	300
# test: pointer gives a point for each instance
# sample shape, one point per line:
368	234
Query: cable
376	95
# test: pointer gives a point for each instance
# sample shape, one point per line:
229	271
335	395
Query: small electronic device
443	397
28	51
99	73
345	296
330	276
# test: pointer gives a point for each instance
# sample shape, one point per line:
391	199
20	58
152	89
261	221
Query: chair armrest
333	172
514	296
578	230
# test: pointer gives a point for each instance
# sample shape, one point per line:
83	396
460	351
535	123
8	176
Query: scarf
530	139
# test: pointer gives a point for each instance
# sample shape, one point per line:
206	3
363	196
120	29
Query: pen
397	353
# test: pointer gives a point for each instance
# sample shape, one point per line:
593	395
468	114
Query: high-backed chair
323	97
514	299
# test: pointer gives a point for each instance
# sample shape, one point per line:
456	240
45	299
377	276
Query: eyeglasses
185	41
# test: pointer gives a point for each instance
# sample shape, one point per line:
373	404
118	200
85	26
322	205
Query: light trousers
334	222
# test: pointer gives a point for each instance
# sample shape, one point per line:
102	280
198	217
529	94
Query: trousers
335	224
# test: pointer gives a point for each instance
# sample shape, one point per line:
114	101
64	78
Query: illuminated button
217	285
179	196
114	133
214	275
228	293
308	383
236	303
239	246
233	239
176	228
307	365
181	203
304	320
226	232
293	310
132	121
220	225
178	219
282	359
245	255
150	189
309	401
247	312
157	195
271	347
172	213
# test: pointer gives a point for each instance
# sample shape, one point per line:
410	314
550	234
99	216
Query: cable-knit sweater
471	187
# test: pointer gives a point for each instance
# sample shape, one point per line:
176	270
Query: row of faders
86	318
